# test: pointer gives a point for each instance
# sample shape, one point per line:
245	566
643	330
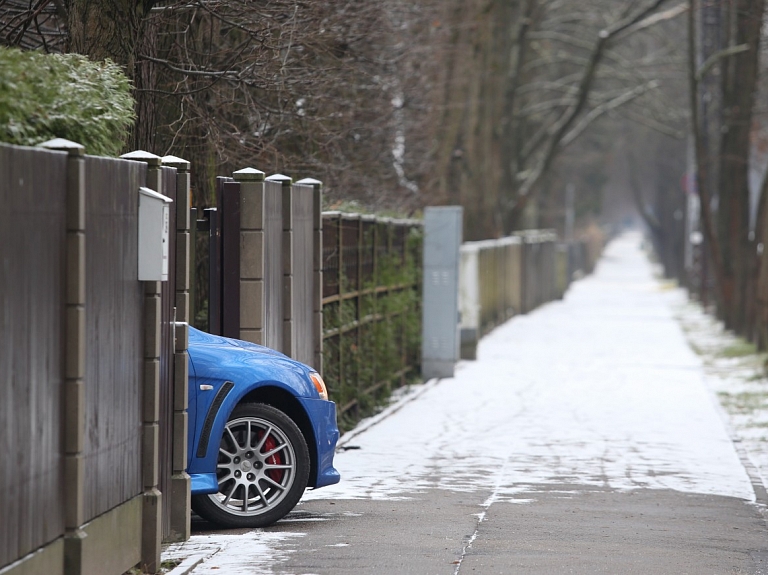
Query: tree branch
716	57
598	111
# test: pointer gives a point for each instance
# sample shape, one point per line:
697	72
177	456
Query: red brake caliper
276	459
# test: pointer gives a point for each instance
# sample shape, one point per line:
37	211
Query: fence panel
303	273
229	212
114	335
32	229
371	312
273	264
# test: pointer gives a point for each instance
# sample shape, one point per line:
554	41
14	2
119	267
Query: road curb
189	563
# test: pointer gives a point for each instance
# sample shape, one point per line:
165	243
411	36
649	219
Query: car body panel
216	360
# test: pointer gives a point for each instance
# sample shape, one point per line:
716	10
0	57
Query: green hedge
45	96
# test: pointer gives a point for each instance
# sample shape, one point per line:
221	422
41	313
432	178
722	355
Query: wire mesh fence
371	307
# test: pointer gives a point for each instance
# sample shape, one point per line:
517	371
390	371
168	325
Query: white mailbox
154	228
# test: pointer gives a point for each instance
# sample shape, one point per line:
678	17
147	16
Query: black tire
262	469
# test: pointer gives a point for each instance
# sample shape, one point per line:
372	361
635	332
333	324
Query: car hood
216	358
197	337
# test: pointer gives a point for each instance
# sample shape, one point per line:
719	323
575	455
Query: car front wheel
262	469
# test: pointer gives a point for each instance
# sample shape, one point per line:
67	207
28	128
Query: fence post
229	218
469	300
151	529
252	306
317	270
442	238
74	354
288	303
180	480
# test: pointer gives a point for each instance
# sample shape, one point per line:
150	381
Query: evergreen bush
45	96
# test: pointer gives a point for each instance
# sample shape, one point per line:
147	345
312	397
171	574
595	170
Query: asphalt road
567	529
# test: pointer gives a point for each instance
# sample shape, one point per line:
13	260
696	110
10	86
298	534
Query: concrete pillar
151	532
74	354
442	239
181	509
317	258
288	301
252	303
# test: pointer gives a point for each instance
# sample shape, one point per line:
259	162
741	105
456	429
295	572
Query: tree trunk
117	29
739	79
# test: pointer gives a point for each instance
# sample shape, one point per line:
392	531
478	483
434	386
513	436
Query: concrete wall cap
310	182
175	162
142	156
285	180
248	175
64	145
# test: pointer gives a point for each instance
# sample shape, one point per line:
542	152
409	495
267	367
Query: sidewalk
591	416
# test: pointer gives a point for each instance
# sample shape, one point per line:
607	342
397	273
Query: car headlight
319	384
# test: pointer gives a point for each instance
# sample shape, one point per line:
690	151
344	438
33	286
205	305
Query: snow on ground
599	389
737	374
221	553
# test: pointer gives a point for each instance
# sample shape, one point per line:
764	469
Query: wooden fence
90	422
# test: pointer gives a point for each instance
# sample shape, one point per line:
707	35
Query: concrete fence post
74	354
180	480
151	529
252	302
317	267
469	300
288	300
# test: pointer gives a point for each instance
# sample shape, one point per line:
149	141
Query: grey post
252	302
317	258
151	532
286	182
442	240
74	353
181	509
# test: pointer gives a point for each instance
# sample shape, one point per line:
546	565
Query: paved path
583	440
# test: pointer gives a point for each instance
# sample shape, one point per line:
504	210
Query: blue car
261	430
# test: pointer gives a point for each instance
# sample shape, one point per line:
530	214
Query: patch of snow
252	553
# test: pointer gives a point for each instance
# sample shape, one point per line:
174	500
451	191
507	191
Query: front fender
221	402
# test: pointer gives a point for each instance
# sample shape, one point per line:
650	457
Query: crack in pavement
486	505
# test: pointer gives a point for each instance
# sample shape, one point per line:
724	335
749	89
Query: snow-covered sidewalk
599	389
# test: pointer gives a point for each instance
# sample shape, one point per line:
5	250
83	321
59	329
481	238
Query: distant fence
87	358
371	306
512	275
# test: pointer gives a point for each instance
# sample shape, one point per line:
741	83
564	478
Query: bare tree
731	247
